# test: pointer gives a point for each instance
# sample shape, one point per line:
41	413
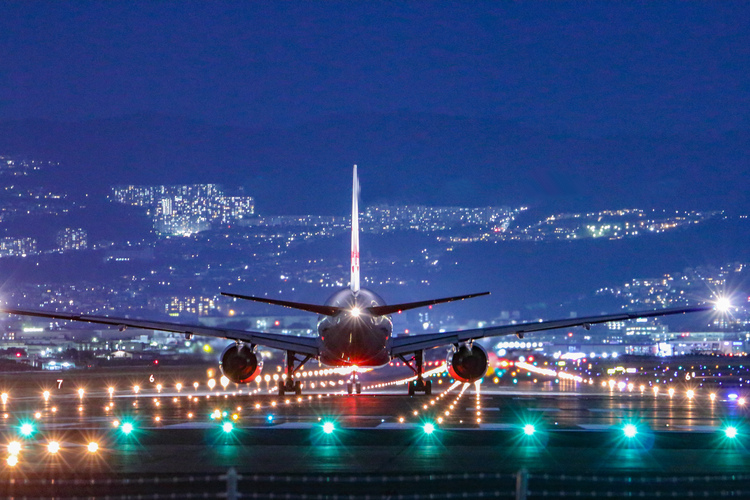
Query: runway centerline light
529	429
428	428
630	430
328	427
731	432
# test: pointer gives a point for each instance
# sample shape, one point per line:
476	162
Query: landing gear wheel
428	387
349	387
298	388
358	387
281	387
411	388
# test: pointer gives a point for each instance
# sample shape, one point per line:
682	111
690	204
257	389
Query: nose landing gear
354	384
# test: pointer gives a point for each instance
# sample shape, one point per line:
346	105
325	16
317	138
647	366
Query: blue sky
587	67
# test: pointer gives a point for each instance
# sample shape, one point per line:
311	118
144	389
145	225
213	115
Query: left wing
412	343
302	345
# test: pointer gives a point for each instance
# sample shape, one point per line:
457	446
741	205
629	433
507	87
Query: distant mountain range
404	158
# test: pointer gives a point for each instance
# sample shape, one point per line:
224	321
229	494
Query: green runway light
27	429
227	427
529	429
630	430
428	428
127	428
731	432
328	427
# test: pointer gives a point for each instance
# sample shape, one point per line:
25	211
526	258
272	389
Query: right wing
302	345
413	343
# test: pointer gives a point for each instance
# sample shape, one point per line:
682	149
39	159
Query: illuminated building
72	239
17	247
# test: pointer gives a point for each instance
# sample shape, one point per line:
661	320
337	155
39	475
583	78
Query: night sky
592	68
577	105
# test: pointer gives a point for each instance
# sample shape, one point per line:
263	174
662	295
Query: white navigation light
356	311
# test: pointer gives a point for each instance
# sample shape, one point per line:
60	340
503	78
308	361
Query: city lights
53	447
92	447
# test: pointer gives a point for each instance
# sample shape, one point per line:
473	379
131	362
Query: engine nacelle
240	364
468	363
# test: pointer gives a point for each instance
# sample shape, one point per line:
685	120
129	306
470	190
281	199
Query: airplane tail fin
354	284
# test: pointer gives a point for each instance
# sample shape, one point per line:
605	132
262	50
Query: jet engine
240	364
468	363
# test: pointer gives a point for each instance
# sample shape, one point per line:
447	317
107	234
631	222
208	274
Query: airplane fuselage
354	336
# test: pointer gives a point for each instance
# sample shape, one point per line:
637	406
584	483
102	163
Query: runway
474	428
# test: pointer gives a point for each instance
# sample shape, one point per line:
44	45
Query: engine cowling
240	364
467	363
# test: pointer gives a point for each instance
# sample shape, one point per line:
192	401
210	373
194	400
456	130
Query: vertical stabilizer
354	284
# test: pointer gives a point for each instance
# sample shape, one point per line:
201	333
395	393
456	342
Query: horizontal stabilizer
383	310
314	308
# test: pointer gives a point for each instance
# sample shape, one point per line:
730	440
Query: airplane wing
302	345
412	343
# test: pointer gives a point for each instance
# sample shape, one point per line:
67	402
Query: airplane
354	331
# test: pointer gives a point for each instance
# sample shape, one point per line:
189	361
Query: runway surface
475	428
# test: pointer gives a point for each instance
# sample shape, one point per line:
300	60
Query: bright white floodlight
723	304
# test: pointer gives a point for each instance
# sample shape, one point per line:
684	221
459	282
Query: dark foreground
182	446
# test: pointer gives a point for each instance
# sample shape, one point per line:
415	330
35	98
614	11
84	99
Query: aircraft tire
358	387
349	387
428	387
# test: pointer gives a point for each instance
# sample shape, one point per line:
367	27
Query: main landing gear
419	384
289	384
